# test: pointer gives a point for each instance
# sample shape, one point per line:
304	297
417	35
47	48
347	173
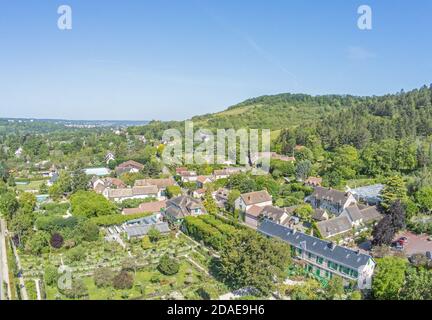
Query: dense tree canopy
250	260
90	204
389	278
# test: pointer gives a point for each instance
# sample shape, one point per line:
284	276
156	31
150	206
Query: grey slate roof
142	230
338	254
54	177
371	214
273	213
354	213
180	207
331	195
319	215
334	226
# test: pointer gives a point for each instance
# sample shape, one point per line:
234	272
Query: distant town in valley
79	123
340	214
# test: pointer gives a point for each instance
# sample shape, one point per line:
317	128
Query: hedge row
202	231
419	227
116	219
223	227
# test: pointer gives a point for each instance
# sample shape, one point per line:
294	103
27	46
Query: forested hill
338	118
276	112
400	116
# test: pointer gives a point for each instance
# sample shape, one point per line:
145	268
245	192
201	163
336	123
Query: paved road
4	271
23	290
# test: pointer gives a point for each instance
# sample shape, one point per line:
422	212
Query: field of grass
33	185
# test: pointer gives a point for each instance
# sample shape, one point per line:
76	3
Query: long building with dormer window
323	258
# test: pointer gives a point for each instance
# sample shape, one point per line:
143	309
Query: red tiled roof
131	163
254	211
155	206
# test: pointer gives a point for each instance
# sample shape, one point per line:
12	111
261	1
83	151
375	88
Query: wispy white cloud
359	53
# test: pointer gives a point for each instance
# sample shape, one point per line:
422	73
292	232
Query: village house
320	215
221	174
199	193
129	166
227	172
183	206
202	180
119	195
100	184
334	227
152	207
274	214
109	157
54	176
351	219
322	258
162	184
221	197
180	169
333	201
251	205
188	176
313	181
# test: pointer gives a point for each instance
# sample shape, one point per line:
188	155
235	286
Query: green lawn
33	185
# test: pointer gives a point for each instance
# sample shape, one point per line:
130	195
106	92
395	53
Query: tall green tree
424	199
389	278
303	170
8	204
250	260
90	204
393	190
4	172
418	285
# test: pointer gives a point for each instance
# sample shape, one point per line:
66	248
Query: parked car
403	240
397	246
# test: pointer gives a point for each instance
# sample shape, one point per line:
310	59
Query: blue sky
172	59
